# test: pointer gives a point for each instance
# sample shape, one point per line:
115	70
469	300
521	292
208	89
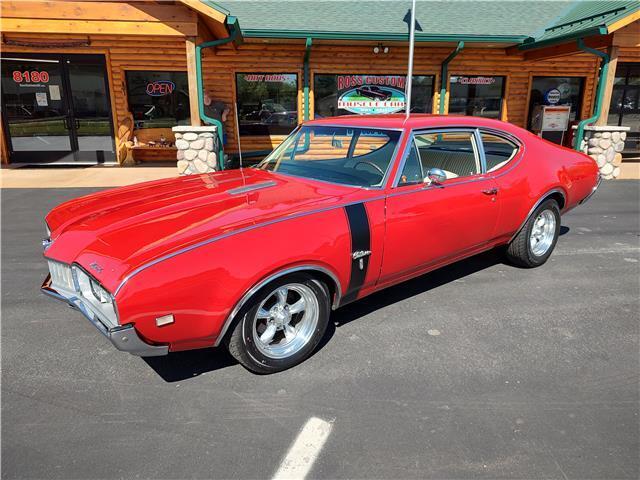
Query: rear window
498	151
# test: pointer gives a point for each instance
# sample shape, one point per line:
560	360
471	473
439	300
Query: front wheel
532	246
281	325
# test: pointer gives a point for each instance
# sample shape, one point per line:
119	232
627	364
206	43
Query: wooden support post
193	81
608	90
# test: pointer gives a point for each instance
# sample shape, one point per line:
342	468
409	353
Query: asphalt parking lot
479	370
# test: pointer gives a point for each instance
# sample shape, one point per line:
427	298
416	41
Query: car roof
415	121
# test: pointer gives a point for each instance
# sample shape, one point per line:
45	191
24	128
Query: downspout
307	79
444	74
604	67
234	35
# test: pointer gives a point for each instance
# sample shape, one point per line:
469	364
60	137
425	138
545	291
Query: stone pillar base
197	149
604	144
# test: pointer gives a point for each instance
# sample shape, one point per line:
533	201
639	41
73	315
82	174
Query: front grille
61	275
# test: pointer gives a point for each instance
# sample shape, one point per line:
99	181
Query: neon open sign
30	76
159	88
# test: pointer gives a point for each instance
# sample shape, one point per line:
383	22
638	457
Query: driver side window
455	153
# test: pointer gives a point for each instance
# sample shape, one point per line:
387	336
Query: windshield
345	155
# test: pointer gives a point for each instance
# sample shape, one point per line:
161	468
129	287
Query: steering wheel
371	164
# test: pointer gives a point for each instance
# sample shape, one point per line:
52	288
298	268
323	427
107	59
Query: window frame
503	91
237	103
519	147
385	180
479	145
581	97
477	148
127	70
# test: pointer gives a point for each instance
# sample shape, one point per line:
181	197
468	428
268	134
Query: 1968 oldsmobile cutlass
255	259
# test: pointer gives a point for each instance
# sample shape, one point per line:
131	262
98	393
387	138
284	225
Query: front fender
201	287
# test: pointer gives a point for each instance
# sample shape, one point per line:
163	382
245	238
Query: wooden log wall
122	53
256	56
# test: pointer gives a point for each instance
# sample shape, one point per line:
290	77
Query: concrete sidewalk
98	176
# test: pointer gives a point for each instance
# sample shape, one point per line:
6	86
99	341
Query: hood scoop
251	188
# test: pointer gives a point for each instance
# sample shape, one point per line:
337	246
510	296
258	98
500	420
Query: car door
429	223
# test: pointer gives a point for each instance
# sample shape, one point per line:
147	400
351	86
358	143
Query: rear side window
452	152
498	151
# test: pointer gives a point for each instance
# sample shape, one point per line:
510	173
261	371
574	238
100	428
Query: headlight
46	226
96	296
100	293
90	289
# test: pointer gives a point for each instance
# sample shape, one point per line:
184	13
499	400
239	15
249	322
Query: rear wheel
532	246
281	325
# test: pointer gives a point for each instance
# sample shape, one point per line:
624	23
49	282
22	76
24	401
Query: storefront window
477	96
267	103
369	94
555	91
158	99
625	105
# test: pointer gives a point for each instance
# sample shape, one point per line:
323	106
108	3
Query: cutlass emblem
359	255
96	266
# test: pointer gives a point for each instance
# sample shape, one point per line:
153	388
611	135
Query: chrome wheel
285	320
542	233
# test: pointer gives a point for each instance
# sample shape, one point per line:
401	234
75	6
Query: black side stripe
360	242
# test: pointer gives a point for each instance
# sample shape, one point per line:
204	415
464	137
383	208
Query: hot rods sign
369	94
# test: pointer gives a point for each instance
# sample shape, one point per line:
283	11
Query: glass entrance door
56	109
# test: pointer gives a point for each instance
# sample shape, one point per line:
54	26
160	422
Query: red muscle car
256	259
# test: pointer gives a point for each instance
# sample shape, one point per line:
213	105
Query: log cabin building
104	82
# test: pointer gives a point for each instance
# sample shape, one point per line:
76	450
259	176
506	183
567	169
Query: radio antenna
412	34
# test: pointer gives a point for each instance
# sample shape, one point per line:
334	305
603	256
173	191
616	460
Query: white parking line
305	449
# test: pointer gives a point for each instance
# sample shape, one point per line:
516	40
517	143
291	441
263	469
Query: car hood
113	232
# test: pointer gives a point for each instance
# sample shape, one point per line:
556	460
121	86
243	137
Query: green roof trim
420	37
215	6
564	38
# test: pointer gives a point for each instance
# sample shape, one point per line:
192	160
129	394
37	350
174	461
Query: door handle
490	191
76	122
65	122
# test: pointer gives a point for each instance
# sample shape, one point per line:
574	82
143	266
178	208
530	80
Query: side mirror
435	176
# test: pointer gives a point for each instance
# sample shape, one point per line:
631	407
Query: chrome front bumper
123	337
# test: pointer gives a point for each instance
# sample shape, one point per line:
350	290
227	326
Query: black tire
241	343
519	251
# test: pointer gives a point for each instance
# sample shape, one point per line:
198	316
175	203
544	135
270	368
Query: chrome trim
315	123
425	187
123	337
387	173
513	139
251	188
480	148
253	290
593	190
403	161
418	131
236	232
536	205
